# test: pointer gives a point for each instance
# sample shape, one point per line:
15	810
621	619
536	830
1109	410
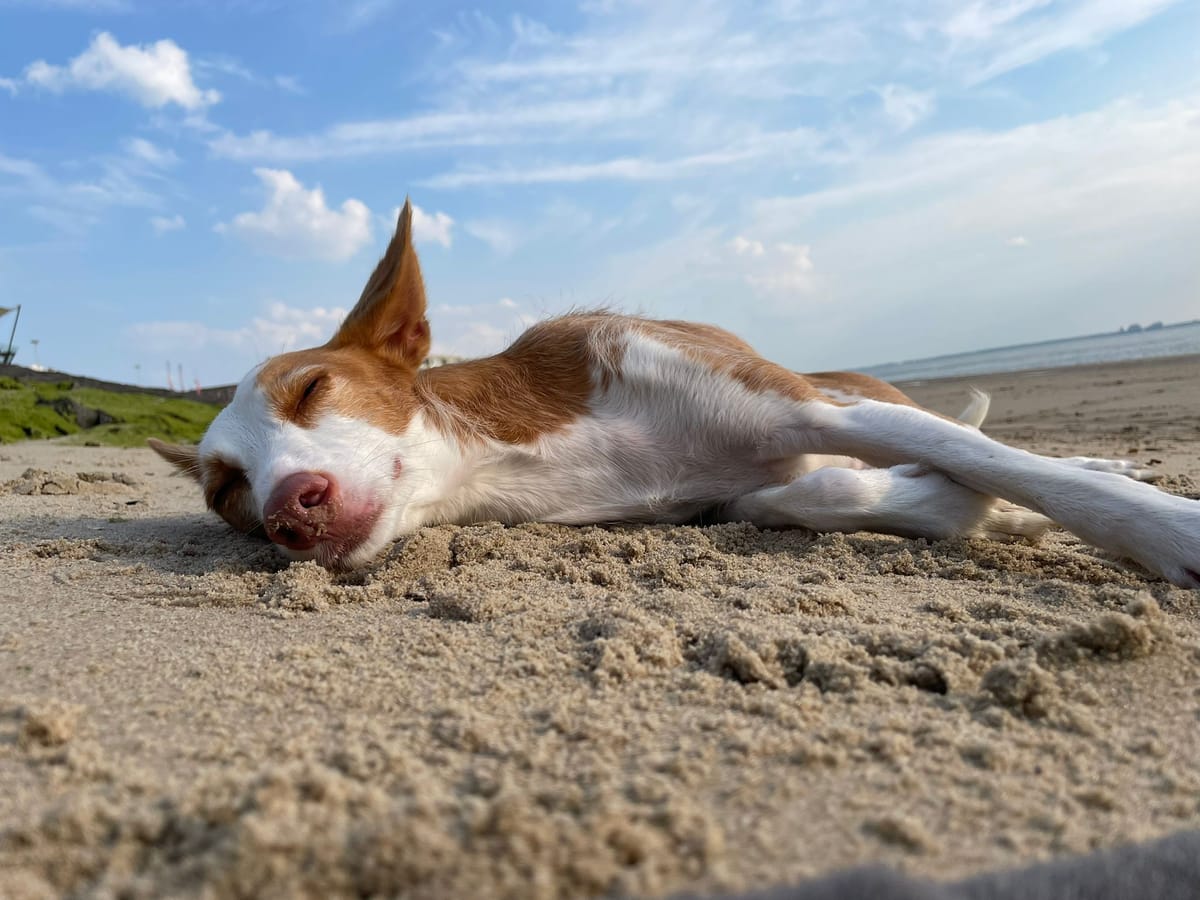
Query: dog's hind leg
1119	514
910	500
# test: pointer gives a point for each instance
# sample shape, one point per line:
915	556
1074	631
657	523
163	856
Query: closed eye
311	389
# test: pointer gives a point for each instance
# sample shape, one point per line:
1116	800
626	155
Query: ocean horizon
1178	339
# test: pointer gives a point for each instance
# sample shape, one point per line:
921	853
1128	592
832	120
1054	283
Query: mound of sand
545	711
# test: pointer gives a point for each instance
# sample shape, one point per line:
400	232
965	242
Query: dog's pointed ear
185	458
389	318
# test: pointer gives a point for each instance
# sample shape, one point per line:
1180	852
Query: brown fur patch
538	385
730	355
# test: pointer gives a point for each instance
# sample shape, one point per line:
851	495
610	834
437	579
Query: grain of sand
545	711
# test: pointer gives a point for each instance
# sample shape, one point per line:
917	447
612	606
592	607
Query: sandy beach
544	711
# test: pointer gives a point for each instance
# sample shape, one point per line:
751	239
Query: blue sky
841	183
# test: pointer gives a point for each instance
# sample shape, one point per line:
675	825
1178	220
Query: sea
1151	342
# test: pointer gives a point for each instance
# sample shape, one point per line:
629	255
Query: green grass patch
39	410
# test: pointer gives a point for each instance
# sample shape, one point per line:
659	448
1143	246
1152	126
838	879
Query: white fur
637	457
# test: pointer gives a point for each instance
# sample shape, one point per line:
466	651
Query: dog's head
323	449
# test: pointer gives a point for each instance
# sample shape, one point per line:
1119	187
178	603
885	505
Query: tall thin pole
8	354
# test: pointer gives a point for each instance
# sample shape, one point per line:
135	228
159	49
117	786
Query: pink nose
301	509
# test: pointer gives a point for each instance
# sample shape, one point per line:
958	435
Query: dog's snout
300	509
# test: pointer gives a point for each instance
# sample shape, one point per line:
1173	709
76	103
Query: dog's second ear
389	318
185	459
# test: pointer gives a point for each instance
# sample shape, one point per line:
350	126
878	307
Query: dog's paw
1169	543
1126	467
1004	521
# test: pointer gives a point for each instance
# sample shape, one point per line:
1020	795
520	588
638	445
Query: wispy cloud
486	127
620	97
295	222
278	328
164	224
630	168
992	38
150	153
358	14
904	106
229	66
133	178
779	271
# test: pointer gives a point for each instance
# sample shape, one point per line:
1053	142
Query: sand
544	711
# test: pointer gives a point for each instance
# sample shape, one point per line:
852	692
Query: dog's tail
977	408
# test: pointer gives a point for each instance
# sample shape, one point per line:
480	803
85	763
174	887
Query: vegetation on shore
84	415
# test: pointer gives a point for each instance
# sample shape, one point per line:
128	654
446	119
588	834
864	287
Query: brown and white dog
596	417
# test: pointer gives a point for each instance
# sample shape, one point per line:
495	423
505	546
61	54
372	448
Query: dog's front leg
1158	530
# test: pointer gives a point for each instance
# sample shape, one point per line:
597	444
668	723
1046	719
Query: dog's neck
537	386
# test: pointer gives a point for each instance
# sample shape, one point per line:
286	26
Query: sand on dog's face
540	710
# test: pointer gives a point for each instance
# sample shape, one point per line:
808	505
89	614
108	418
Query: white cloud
279	329
782	270
1017	241
295	222
154	75
428	228
432	228
8	84
743	246
904	106
152	154
980	20
163	224
478	329
470	339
